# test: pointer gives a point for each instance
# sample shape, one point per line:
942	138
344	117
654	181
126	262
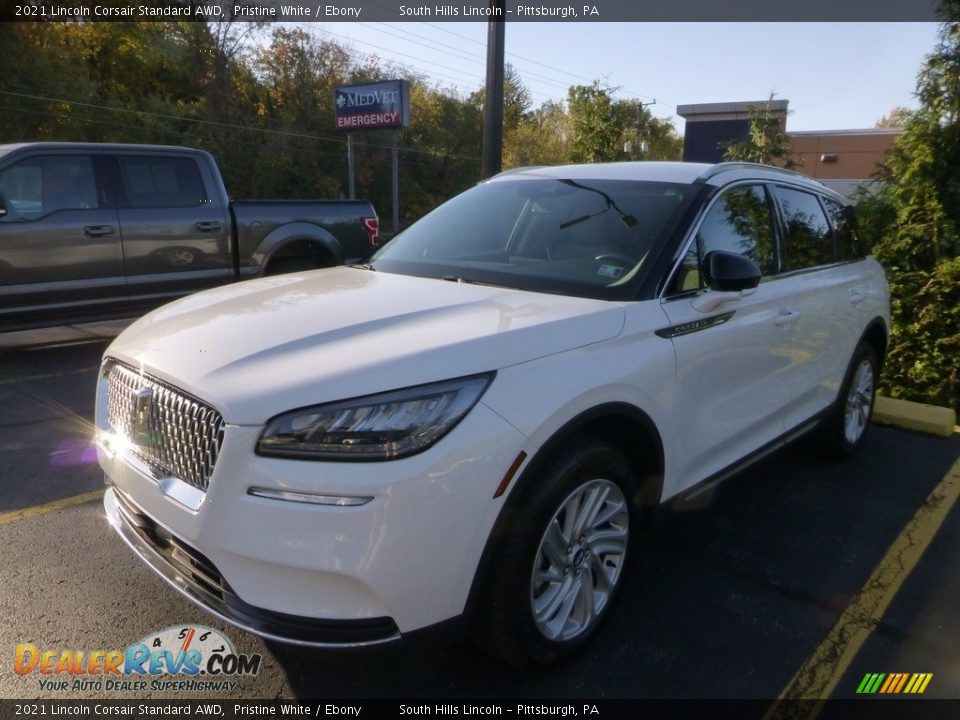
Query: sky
834	75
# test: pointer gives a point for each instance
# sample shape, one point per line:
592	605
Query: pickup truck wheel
848	426
558	570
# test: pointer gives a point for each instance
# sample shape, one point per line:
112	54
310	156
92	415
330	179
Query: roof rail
512	171
728	166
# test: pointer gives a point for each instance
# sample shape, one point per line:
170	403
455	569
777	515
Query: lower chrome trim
310	498
243	618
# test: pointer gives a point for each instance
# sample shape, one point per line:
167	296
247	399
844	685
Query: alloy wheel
859	402
579	560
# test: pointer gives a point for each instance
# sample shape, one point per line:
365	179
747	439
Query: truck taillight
372	226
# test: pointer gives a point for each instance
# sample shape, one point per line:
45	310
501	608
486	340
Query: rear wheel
848	426
563	557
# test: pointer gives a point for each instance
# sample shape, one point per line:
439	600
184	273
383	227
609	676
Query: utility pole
493	105
640	107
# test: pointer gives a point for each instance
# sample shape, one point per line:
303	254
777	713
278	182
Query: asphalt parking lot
796	576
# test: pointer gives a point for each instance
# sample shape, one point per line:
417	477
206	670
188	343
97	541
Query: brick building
844	160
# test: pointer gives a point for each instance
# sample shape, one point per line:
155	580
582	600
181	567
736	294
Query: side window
738	222
844	230
161	182
38	186
809	242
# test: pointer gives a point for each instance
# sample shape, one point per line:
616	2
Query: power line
232	126
537	62
430	73
461	54
378	47
166	131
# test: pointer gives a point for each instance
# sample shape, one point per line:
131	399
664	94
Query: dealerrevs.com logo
187	658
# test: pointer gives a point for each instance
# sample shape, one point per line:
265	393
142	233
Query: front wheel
562	557
579	560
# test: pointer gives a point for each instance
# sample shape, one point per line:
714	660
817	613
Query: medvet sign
372	107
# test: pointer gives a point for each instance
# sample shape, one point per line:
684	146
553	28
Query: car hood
260	347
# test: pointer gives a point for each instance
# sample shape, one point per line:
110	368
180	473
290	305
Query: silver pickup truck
94	231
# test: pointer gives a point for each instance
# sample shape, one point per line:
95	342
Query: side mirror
729	272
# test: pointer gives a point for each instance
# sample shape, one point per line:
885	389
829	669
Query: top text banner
477	10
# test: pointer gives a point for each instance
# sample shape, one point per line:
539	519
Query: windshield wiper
628	220
466	281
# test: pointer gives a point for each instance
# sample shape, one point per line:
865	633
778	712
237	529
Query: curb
908	415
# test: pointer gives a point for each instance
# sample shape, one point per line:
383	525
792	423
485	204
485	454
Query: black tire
850	420
528	569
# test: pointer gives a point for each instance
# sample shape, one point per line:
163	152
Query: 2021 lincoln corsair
473	421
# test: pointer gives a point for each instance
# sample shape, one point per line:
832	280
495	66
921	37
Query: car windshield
588	238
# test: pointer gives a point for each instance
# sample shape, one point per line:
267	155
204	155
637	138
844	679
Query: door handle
97	230
210	226
857	296
787	317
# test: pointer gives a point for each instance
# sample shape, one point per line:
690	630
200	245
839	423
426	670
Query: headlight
377	427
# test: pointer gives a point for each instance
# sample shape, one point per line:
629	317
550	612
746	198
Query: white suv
473	423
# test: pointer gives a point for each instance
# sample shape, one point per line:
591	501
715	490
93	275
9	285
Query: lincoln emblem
140	416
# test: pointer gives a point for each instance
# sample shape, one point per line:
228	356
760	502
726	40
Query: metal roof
92	147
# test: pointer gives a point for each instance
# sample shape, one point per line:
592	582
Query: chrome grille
170	431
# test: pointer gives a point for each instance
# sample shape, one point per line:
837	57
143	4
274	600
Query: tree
896	118
767	142
541	139
658	137
596	124
516	99
921	249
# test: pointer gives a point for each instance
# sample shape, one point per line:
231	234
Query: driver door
735	358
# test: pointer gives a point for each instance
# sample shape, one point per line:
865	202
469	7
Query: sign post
396	185
350	174
375	106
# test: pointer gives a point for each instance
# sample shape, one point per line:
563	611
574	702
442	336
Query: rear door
824	295
175	231
60	251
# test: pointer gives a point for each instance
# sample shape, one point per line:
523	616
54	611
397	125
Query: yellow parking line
823	670
50	507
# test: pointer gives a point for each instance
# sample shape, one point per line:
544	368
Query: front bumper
323	575
197	579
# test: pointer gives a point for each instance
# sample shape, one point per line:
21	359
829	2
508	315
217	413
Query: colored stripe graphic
903	680
894	683
862	687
